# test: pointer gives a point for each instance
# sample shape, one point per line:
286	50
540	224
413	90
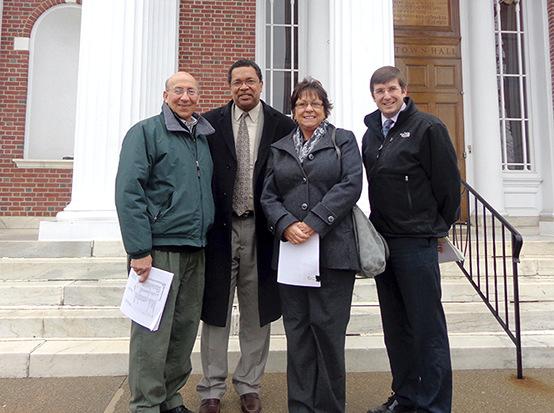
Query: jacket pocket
163	209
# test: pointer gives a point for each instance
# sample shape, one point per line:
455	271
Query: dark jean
415	326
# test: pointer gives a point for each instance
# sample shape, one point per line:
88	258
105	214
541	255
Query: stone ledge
71	358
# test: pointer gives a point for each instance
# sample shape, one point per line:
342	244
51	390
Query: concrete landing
475	391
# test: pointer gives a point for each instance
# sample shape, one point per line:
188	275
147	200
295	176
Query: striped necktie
386	127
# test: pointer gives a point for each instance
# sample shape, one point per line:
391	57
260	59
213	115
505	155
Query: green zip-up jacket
163	192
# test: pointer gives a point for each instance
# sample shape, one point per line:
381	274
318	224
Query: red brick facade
23	192
213	35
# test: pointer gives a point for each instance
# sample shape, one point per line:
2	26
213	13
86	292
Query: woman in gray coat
309	190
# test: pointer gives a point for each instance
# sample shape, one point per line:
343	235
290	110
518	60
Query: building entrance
427	50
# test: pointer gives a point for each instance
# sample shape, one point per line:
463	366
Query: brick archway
38	11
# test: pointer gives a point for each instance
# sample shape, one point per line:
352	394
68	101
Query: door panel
427	51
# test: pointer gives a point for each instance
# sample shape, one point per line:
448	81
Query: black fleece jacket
413	176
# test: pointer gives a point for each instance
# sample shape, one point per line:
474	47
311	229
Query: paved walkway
491	391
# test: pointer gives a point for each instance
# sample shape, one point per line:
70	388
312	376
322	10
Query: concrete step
74	358
59	314
458	289
60	249
528	266
103	267
90	268
109	323
71	249
62	293
108	292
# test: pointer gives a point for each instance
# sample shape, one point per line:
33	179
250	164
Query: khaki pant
159	362
254	340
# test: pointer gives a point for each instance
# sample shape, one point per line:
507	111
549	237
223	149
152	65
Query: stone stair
59	314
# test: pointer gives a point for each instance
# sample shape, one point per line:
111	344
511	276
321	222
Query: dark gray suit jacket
320	192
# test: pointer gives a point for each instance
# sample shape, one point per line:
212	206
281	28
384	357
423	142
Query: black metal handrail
487	268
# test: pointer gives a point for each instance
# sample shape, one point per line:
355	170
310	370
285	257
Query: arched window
52	92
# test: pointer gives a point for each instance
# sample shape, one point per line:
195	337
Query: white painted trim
259	56
30	88
43	163
540	108
21	44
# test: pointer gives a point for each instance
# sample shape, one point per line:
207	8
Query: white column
481	112
128	49
360	40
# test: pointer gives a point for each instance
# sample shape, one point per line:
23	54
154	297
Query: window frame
508	161
297	66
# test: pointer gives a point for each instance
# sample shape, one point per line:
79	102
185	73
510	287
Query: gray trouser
254	340
315	322
159	362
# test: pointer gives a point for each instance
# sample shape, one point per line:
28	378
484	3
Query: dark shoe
209	406
391	406
250	403
178	409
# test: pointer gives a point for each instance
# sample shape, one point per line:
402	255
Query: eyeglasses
391	90
247	82
314	105
179	91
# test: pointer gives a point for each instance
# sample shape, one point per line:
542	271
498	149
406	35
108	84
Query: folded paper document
144	302
449	252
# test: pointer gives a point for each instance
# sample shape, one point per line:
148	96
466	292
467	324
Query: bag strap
335	141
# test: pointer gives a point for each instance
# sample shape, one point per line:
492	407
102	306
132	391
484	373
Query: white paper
299	264
449	251
144	302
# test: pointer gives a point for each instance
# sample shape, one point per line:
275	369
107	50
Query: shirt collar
254	113
395	117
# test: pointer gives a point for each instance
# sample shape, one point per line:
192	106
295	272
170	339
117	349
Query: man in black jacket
239	252
414	193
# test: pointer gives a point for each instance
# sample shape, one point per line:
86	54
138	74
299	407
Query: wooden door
427	50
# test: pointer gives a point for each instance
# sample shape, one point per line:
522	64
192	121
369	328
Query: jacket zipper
199	186
407	180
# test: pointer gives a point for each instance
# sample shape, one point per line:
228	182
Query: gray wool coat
320	192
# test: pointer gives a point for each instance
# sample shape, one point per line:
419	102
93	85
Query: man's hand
298	233
142	267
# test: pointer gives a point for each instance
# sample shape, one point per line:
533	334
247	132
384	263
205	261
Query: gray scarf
304	149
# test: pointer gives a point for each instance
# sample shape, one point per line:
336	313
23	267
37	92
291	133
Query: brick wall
215	34
23	192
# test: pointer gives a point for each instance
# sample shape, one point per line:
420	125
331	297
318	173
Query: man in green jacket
165	207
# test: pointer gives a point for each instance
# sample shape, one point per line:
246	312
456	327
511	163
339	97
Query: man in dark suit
239	251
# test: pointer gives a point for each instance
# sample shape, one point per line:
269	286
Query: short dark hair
244	63
386	74
315	86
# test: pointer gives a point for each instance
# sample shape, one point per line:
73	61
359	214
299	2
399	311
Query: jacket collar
203	127
373	120
287	143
